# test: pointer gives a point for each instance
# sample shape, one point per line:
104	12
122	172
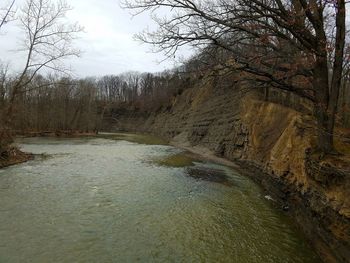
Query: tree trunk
266	93
324	135
322	115
337	65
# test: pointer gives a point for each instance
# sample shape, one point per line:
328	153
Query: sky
107	44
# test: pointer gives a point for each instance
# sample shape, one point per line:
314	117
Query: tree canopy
298	46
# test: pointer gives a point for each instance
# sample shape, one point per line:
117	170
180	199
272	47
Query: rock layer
272	143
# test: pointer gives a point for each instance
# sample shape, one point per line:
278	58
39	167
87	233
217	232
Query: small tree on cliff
296	45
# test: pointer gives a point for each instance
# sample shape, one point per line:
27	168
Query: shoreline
205	153
283	196
63	133
15	156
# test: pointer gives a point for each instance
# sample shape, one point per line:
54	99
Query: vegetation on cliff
297	46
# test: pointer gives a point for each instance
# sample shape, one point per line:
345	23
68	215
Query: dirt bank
14	156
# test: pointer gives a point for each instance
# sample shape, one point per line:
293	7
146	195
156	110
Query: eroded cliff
272	143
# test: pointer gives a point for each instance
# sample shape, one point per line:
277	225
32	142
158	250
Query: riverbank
273	143
14	156
56	133
311	209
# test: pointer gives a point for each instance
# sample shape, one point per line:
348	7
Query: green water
103	200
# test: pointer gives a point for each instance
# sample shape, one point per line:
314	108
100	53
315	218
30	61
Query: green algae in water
136	138
177	160
195	168
209	174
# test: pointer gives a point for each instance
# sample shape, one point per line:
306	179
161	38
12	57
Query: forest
292	51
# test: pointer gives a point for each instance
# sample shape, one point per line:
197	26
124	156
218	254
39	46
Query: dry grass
342	146
342	141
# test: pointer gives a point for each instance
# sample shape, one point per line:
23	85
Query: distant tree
296	45
146	85
3	84
132	79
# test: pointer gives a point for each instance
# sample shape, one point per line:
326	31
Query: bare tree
6	13
132	79
3	84
48	41
297	45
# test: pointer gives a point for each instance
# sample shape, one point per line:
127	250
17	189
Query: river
107	199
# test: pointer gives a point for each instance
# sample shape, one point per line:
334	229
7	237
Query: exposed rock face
272	142
316	192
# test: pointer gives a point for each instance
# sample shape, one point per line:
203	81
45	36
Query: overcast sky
107	44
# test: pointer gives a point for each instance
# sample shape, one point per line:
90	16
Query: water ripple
101	200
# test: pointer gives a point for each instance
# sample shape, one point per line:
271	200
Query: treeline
66	104
62	104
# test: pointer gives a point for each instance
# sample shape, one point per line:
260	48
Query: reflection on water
102	200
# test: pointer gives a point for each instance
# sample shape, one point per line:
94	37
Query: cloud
107	44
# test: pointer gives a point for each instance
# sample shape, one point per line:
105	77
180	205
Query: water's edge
283	196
